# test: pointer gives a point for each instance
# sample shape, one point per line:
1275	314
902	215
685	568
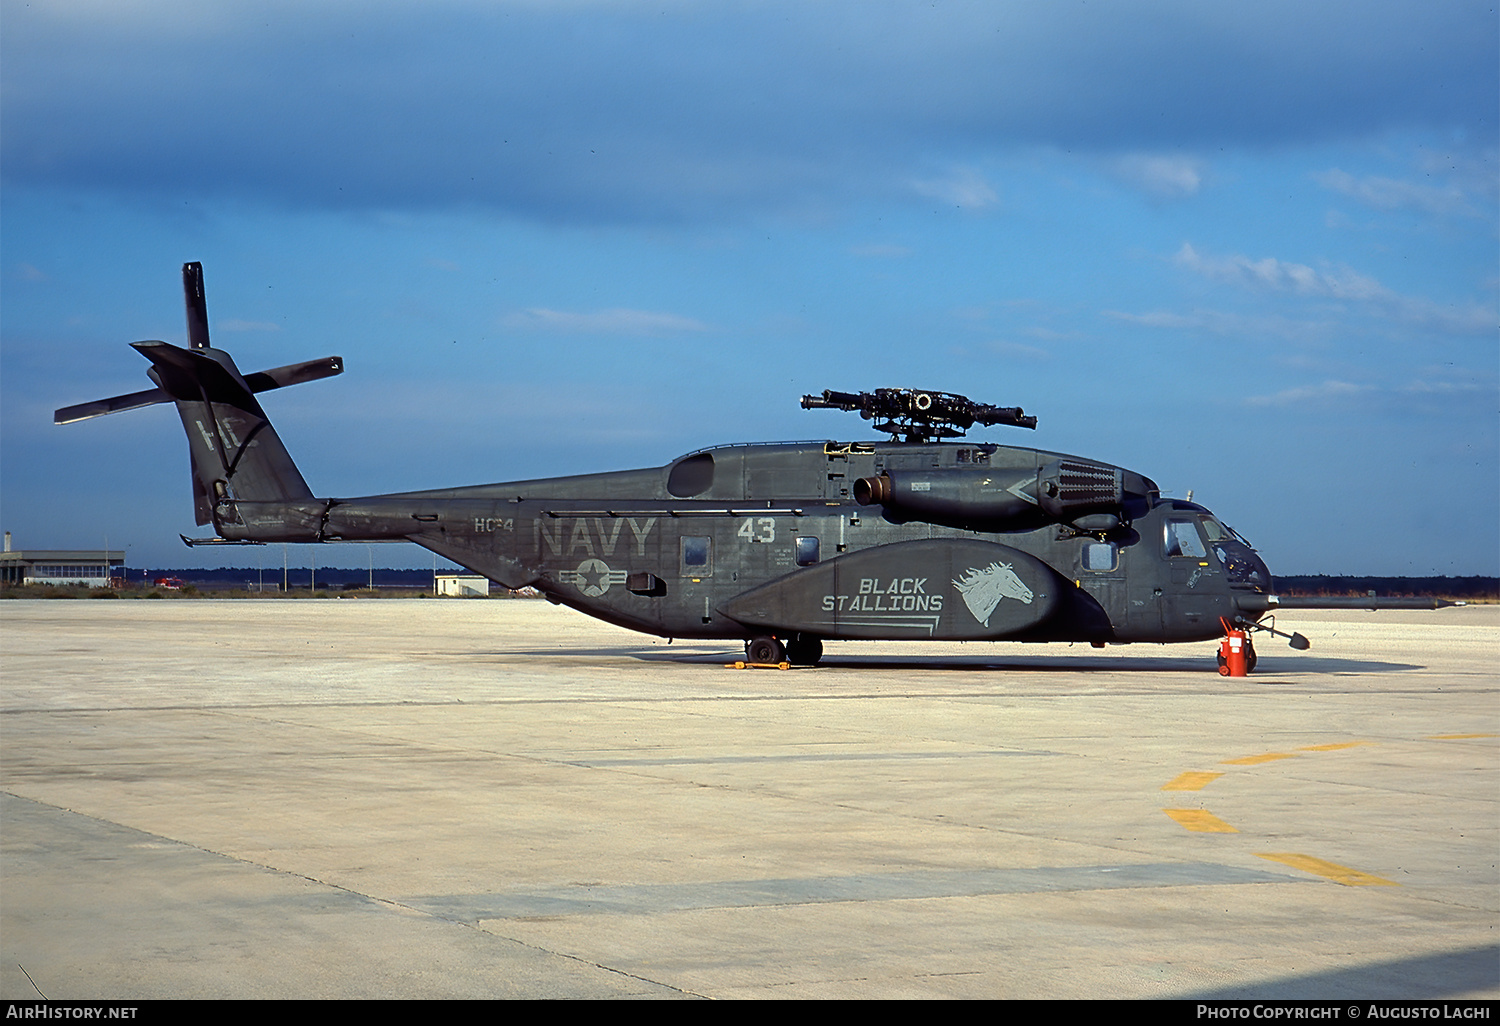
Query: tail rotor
236	453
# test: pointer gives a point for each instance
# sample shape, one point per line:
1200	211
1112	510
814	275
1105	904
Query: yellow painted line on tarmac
1190	781
1254	760
1200	821
1332	870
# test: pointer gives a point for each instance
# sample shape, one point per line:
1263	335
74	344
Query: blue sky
1248	250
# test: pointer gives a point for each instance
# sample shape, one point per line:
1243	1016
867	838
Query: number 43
758	529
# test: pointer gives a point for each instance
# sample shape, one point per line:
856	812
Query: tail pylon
236	454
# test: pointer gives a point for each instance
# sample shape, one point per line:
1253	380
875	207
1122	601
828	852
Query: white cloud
1282	276
1160	319
1393	194
615	321
964	188
1446	387
1470	319
1308	394
1217	322
1340	283
1415	390
1163	176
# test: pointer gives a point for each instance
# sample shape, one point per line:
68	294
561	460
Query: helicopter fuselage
952	541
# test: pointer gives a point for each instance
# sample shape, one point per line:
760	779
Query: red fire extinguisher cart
1233	651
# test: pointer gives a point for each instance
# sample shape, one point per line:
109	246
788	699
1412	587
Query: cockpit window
1215	531
1182	539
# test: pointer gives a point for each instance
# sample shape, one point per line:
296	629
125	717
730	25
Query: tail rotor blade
116	404
197	305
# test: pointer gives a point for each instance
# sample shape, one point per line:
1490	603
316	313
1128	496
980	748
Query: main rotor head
915	415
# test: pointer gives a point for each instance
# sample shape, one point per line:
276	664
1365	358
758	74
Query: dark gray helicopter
783	545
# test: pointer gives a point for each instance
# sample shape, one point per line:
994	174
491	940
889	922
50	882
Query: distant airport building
91	568
462	586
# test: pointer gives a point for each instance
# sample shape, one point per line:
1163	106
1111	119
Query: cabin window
1100	556
807	551
697	556
1183	540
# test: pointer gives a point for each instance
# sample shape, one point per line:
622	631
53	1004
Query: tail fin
236	453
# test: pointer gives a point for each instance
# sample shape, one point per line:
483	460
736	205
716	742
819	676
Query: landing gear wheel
804	651
764	650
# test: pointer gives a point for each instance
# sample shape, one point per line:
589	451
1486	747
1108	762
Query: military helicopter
784	546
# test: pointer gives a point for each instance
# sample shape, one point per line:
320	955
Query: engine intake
986	499
977	499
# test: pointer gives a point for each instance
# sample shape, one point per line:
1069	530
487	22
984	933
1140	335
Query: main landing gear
799	650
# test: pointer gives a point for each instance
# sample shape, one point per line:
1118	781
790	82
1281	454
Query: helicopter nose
1259	602
1262	572
1250	579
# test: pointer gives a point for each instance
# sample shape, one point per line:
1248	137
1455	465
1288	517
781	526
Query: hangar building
88	567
